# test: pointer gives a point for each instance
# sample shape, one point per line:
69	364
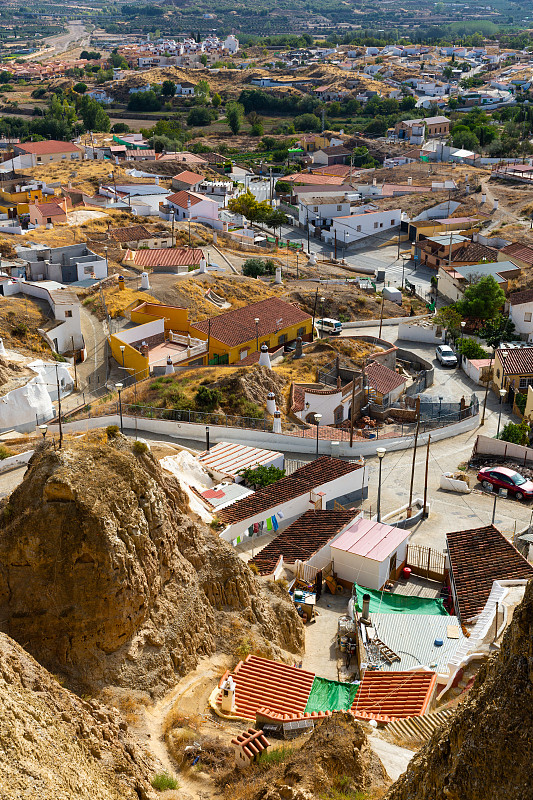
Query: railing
427	563
196	417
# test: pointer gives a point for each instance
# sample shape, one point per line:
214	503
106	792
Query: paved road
76	33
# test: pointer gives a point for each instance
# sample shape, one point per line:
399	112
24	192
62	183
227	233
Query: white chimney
203	266
227	703
312	260
278	280
277	422
483	198
169	369
409	181
157	180
264	358
145	281
495	205
2	348
374	181
271	403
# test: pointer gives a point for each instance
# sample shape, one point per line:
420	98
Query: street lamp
322	301
119	387
256	320
502	395
122	349
43	429
318	417
380	452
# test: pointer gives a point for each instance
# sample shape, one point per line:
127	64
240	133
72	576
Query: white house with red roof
185	205
34	153
521	313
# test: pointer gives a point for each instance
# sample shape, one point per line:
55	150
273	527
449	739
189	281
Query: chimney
495	205
277	422
145	349
227	702
264	358
483	198
338	381
169	369
145	281
121	283
271	403
374	181
203	266
409	181
365	614
278	280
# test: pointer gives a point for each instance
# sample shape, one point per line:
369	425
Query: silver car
446	356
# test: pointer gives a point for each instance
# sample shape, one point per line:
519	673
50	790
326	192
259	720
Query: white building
320	211
521	313
31	404
355	227
369	553
190	205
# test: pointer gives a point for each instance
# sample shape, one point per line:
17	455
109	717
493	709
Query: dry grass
19	320
116	300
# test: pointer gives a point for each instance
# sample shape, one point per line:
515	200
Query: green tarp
386	603
330	695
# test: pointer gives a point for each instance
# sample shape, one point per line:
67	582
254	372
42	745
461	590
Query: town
266	379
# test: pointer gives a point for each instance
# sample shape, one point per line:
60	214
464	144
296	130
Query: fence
485	445
427	563
196	417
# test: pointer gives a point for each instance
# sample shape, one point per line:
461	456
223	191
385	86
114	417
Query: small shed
249	745
369	553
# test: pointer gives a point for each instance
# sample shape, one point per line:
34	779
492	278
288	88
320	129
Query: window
282	339
315	209
68	314
300	332
339	208
380	224
358	229
243	353
39	160
393	222
375	224
527	316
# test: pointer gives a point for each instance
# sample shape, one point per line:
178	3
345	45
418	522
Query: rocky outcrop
486	750
54	745
106	578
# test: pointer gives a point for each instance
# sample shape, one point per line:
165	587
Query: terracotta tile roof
238	326
476	253
133	233
182	198
479	557
192	178
383	379
301	540
303	480
252	742
48	148
385	696
342	170
335	150
520	251
299	390
518	298
51	209
261	682
165	257
518	361
314	179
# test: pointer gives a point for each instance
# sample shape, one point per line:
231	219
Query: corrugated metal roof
224	494
412	637
231	458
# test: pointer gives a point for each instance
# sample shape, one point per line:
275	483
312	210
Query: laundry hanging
275	523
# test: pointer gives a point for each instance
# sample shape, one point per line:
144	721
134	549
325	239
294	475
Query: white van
329	325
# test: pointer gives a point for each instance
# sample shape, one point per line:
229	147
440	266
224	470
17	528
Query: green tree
6	77
497	330
234	115
216	100
407	103
450	318
482	300
307	122
144	101
80	88
469	348
261	476
203	59
517	434
465	139
201	91
168	88
199	115
256	267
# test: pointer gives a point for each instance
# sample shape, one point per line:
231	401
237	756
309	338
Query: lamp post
322	301
463	323
502	395
119	387
207	438
173	220
318	417
122	349
380	452
256	320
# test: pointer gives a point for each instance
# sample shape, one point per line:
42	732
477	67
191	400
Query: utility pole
352	413
59	409
314	315
74	357
335	244
482	422
426	478
409	509
297	273
308	242
381	314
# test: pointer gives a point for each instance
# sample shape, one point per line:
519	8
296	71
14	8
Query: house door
69	273
392	567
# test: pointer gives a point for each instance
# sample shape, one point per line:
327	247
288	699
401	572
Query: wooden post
353	411
426	480
409	508
75	370
381	315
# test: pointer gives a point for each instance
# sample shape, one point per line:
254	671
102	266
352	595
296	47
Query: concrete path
395	759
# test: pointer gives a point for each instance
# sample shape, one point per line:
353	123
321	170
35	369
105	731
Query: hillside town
266	418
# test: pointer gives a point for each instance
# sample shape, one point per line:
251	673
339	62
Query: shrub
255	267
516	434
520	400
120	127
207	399
261	476
163	781
5	452
139	448
469	348
199	115
112	431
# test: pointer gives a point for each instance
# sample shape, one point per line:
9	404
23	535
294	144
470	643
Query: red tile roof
383	379
342	170
518	298
165	257
314	179
520	251
315	473
479	557
53	209
518	360
252	742
192	178
48	148
261	682
476	253
133	233
238	326
385	696
181	199
301	540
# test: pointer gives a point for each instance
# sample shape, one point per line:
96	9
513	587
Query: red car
503	478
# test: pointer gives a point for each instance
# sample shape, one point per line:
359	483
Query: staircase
386	653
415	731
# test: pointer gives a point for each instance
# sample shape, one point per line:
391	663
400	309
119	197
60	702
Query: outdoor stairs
417	730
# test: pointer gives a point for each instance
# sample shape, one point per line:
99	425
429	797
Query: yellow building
513	370
237	334
17	201
426	228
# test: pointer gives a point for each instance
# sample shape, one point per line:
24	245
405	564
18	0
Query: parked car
502	478
446	356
